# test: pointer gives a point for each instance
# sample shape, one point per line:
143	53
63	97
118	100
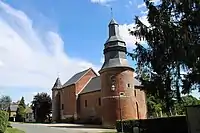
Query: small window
128	85
135	92
99	101
62	106
85	103
137	110
121	93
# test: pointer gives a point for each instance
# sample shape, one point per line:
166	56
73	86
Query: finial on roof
111	9
58	74
112	22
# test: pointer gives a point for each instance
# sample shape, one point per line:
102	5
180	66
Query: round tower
117	80
56	100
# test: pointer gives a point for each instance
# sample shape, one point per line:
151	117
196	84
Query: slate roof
74	79
95	85
57	84
113	22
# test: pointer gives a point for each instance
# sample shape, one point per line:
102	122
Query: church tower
56	100
117	80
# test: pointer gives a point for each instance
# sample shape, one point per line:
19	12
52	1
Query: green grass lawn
14	130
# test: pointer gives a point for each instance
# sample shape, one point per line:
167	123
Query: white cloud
125	33
144	20
144	12
102	60
143	4
101	1
31	59
130	3
1	63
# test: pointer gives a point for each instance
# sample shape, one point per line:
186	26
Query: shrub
68	120
4	116
9	125
128	125
158	125
93	121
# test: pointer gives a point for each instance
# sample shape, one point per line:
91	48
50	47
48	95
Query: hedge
158	125
4	116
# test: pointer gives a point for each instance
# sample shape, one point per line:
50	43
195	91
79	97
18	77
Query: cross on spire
111	9
58	74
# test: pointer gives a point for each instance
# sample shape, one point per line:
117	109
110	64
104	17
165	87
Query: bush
159	125
4	116
9	125
68	120
128	125
93	121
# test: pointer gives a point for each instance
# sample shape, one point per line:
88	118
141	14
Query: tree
41	106
172	48
20	113
5	102
154	106
179	107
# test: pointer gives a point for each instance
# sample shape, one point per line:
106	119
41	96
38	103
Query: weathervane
58	74
111	12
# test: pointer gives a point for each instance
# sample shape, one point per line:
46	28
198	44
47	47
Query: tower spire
57	84
114	48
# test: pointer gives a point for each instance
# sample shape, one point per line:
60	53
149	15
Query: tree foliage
156	108
20	113
171	57
179	107
41	106
5	102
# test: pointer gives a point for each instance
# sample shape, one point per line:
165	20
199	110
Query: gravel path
58	128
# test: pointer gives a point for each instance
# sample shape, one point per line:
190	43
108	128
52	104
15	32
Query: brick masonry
133	105
93	107
128	104
84	80
68	104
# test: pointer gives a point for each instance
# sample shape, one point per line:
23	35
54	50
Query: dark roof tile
95	85
57	84
76	77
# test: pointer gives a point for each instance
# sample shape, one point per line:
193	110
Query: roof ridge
84	72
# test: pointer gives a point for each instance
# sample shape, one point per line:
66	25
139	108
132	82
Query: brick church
113	95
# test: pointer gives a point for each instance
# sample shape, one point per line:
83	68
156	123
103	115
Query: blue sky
82	25
40	38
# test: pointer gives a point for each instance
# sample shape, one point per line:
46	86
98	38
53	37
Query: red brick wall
93	107
142	105
69	100
111	108
84	80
